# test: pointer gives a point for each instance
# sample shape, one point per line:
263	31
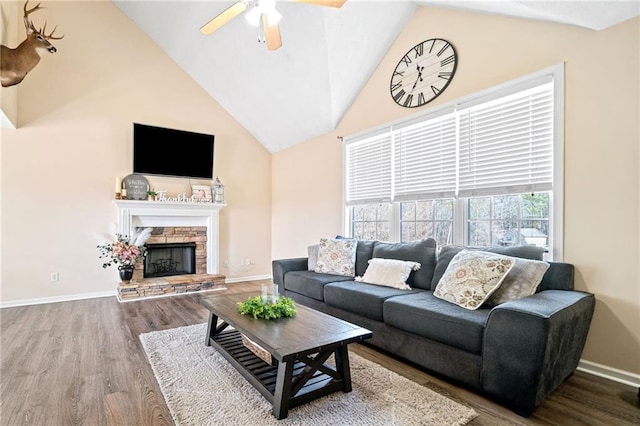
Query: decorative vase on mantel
126	272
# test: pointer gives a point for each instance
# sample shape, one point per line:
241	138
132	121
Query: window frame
556	194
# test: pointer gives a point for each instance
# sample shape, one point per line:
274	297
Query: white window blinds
425	160
506	145
368	170
500	141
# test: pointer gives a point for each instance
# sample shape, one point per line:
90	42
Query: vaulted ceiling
302	90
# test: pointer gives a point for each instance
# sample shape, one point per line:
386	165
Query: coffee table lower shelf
313	381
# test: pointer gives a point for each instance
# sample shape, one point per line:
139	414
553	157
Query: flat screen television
170	152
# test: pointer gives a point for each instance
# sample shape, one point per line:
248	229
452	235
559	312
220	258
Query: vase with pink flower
125	252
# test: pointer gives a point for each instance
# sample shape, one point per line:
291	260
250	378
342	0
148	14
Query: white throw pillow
337	256
522	281
389	272
472	276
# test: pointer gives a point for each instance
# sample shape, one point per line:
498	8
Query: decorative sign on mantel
181	198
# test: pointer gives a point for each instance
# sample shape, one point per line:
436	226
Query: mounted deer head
16	63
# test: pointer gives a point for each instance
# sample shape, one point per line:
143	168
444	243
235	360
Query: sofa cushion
425	315
389	272
337	256
360	298
521	281
423	252
472	276
364	253
559	276
309	283
447	253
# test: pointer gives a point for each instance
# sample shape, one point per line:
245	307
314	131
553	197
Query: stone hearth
173	223
166	286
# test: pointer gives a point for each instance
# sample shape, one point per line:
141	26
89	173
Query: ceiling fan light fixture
273	17
253	16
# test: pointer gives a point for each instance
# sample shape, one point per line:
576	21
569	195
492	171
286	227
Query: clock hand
419	78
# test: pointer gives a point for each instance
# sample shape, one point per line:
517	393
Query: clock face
423	73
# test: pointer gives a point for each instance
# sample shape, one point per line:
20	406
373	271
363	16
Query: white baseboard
609	373
243	279
56	299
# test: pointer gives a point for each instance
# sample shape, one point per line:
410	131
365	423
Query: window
371	222
427	218
480	171
508	220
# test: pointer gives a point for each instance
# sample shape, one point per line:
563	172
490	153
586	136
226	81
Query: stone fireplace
184	248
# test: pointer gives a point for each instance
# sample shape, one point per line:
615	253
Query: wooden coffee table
299	346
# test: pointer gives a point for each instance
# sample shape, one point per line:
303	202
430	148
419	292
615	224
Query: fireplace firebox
170	259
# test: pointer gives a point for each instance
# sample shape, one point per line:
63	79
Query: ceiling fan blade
329	3
224	17
271	34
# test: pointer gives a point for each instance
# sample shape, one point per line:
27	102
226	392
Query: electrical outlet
54	277
225	264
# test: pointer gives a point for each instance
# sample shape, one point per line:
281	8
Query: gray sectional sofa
516	353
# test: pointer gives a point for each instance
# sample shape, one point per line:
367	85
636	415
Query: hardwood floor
81	362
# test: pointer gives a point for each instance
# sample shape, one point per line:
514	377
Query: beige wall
601	148
76	110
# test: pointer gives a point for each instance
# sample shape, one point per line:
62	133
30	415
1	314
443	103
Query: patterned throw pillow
337	257
522	281
471	277
389	272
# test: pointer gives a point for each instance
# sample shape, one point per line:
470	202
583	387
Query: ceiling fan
263	13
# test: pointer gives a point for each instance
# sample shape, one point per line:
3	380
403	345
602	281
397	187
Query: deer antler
27	22
50	36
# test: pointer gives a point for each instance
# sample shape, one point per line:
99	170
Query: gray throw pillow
522	281
313	256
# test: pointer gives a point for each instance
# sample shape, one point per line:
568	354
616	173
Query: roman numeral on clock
399	96
396	86
419	50
406	60
445	47
447	61
436	91
407	102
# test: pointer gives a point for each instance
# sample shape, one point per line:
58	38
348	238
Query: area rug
201	388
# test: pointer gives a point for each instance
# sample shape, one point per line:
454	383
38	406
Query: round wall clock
423	73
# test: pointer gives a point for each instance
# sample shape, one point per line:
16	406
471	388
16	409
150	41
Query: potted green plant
151	195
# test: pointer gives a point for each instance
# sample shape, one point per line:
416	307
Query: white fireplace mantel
143	214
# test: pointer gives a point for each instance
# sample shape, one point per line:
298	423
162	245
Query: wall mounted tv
170	152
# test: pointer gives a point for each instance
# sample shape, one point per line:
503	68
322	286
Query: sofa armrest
532	345
282	266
